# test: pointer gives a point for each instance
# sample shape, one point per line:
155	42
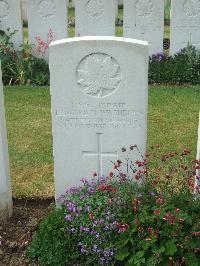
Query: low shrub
114	220
183	67
20	66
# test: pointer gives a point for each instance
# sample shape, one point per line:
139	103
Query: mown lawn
173	119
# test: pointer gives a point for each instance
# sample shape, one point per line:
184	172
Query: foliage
183	67
20	66
113	219
52	242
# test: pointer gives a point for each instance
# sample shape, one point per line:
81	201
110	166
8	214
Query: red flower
91	215
196	233
110	201
122	227
150	230
111	174
157	212
159	201
94	174
136	222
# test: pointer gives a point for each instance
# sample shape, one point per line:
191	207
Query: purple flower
97	235
69	217
91	190
84	180
87	208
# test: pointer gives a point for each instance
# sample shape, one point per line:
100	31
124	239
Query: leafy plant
113	219
20	66
181	68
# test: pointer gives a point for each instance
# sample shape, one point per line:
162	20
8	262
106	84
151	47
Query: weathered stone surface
185	24
47	21
144	20
11	17
95	18
99	104
5	188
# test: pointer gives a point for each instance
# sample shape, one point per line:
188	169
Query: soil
17	233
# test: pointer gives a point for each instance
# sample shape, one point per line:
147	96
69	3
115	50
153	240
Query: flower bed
132	218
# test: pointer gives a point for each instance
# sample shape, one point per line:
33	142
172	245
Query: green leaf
139	254
170	247
123	253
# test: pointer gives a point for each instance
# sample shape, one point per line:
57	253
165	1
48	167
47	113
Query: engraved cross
191	42
99	154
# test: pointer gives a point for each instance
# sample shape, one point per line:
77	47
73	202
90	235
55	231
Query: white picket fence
143	19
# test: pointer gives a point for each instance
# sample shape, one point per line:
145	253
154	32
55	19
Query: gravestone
10	17
99	104
198	156
144	20
95	17
24	10
5	188
185	24
47	21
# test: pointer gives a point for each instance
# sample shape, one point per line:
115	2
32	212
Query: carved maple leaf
4	9
99	75
192	8
95	7
144	7
46	8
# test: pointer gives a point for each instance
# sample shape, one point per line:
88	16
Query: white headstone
95	18
144	20
47	21
24	10
185	24
99	104
198	155
5	187
10	17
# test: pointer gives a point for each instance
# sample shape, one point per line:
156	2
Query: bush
183	67
116	221
21	67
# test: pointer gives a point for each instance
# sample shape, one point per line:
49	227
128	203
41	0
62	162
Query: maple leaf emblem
192	8
4	9
144	8
47	8
99	75
95	7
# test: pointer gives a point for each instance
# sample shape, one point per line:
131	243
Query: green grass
173	119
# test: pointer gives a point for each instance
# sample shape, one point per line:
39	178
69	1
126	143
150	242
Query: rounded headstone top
98	75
